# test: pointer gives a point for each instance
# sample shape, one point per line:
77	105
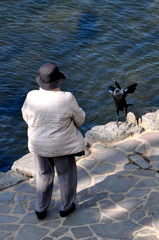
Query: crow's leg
117	122
126	112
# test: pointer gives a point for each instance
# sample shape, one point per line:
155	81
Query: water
93	42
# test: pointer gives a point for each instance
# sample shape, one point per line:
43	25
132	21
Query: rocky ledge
139	122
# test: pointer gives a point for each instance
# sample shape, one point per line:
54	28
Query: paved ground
118	198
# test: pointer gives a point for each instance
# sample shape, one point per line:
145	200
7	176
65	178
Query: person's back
53	118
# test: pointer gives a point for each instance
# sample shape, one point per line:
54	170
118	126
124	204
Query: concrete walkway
118	197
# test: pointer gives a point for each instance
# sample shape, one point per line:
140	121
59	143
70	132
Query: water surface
93	42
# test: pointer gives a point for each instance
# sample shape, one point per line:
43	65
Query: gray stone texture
141	149
121	230
111	132
83	178
59	232
6	197
117	183
117	195
10	178
88	164
129	145
8	219
81	232
102	168
152	203
151	138
147	237
83	216
111	155
136	214
140	161
4	235
29	232
26	188
130	204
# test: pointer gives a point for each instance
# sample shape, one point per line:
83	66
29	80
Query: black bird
119	96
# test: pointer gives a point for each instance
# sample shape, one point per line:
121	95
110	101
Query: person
53	117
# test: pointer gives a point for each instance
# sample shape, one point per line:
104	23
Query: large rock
25	165
112	133
147	118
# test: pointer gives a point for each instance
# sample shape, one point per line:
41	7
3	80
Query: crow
119	96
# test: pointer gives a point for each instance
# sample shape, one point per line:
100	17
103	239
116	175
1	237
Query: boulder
25	165
147	118
111	132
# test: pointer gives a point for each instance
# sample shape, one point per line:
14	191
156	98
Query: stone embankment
118	188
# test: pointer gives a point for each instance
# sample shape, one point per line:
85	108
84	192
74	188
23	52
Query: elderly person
53	118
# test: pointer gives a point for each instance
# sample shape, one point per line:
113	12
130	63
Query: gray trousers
67	174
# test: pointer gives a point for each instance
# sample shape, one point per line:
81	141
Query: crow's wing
111	89
130	89
117	84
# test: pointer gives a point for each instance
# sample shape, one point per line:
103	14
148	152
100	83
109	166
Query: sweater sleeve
78	114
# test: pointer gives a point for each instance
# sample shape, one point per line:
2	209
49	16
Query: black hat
49	76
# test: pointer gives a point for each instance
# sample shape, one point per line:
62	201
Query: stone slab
156	220
83	216
129	145
140	161
6	197
112	156
152	138
81	232
83	178
102	168
26	188
130	204
10	178
120	231
31	232
8	219
152	203
117	183
4	235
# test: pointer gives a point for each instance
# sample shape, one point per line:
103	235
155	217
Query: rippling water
93	42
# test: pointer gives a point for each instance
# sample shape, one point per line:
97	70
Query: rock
137	122
140	161
150	121
147	118
131	118
25	165
111	132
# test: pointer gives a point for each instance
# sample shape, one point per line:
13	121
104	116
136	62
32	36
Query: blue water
93	42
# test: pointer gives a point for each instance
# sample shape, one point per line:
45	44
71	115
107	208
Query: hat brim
50	85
